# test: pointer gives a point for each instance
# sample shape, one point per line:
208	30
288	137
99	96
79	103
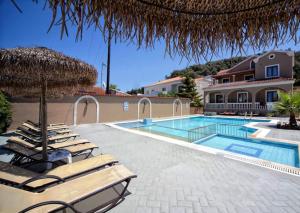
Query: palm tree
289	103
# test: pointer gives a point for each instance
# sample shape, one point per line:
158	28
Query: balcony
240	107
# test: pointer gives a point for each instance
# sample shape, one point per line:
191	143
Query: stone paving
286	134
176	179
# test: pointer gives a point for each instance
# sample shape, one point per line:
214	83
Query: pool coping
260	134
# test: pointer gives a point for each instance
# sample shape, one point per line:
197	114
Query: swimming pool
195	128
277	152
226	134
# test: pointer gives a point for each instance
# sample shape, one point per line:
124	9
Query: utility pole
108	57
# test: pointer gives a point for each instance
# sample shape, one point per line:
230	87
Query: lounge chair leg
119	200
89	153
66	205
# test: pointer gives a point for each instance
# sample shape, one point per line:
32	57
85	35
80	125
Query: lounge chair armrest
51	147
39	178
50	203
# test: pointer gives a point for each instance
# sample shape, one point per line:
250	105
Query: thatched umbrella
40	72
189	27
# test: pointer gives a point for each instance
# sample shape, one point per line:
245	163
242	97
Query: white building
173	85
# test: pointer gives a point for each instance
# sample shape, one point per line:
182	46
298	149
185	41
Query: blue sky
130	67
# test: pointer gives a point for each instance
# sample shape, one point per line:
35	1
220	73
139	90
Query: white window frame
227	79
237	97
216	98
164	89
248	75
272	66
266	94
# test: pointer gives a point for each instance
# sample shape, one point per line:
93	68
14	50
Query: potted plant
289	103
5	113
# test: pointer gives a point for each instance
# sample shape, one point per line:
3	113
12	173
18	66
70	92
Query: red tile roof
227	72
178	78
243	83
100	91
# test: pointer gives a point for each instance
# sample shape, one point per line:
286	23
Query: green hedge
5	113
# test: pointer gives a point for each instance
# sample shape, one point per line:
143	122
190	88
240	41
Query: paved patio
173	178
286	134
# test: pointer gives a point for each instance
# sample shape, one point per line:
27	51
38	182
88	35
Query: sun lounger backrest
17	175
31	127
71	191
20	142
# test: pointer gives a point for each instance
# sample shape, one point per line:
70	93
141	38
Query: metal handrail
170	127
201	127
228	132
195	134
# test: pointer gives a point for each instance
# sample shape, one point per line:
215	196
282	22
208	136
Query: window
248	77
272	71
271	56
252	66
180	89
219	98
242	97
225	80
163	89
271	95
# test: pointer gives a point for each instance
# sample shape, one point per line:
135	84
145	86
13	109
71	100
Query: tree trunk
293	121
44	119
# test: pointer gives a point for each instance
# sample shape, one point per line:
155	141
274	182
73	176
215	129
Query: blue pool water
179	128
276	152
227	134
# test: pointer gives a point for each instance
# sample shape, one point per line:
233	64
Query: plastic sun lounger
37	125
51	139
73	148
23	178
33	153
39	134
100	190
22	142
49	128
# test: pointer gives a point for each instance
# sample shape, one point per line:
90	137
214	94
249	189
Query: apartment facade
174	85
252	85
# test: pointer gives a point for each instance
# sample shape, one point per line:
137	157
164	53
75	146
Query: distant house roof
100	91
91	91
289	53
178	78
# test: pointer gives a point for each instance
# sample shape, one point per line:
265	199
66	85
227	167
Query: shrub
5	113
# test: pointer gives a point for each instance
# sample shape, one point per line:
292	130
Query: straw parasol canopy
189	27
21	71
42	71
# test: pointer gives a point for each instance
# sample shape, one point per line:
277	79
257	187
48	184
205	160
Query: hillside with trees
213	67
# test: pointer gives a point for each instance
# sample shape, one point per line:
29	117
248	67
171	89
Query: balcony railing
238	106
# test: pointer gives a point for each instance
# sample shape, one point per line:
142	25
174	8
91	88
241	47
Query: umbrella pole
44	119
40	112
